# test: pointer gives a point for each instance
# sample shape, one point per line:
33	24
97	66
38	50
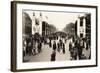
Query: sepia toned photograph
56	36
46	36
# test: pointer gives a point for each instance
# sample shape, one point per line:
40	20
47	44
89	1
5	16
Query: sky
58	19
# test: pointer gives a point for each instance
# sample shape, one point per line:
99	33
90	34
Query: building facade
37	24
83	28
26	25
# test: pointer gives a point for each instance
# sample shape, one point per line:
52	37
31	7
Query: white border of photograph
21	65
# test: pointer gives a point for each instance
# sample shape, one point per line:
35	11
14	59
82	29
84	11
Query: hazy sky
58	19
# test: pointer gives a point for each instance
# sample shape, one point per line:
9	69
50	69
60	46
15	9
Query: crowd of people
59	46
31	46
76	46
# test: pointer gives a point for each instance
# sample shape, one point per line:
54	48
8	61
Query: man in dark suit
53	56
63	48
54	46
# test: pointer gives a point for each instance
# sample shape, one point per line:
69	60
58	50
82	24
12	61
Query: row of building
36	25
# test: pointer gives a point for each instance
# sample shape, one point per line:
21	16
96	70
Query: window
36	21
81	21
81	35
